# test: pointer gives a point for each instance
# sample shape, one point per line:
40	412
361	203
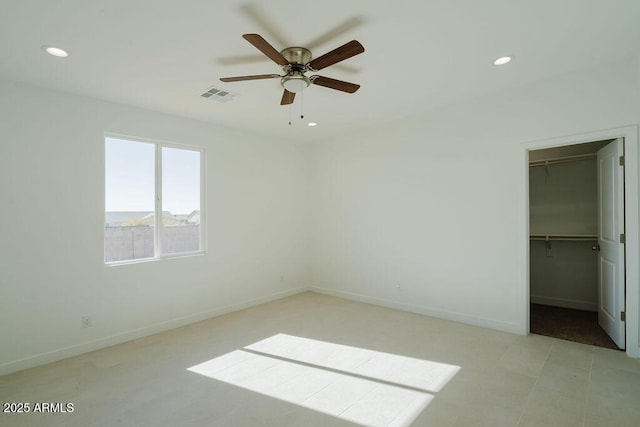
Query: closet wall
563	206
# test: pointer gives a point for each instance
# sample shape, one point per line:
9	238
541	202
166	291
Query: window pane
129	200
180	200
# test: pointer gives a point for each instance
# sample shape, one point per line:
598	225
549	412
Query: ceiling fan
296	61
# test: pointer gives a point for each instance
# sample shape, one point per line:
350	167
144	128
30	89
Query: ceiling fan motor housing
297	56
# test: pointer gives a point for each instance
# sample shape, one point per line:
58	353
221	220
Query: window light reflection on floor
363	386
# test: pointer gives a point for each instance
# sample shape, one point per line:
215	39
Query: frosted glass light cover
295	85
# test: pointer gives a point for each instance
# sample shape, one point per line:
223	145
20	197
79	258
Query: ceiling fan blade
336	31
263	46
287	97
242	78
259	16
335	84
241	59
341	53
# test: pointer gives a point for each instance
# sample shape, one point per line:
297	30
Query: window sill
146	260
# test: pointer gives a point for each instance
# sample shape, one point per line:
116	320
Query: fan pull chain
302	104
289	114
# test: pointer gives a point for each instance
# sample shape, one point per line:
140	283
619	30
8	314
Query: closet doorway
576	253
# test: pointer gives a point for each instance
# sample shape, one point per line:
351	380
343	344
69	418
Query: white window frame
158	226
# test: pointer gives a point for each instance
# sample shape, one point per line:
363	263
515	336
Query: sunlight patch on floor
423	374
363	386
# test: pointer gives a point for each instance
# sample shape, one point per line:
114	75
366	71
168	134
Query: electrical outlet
86	321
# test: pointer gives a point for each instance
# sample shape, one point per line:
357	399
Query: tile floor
503	380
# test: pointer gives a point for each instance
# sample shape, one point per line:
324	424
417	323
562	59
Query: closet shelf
564	237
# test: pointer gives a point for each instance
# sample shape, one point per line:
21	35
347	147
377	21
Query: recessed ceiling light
55	51
312	124
502	60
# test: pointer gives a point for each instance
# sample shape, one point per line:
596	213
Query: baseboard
566	303
512	327
75	350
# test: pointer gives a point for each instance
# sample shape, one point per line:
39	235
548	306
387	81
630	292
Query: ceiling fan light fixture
296	61
295	83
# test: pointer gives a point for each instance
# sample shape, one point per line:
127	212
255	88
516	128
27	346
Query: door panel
611	255
607	194
607	295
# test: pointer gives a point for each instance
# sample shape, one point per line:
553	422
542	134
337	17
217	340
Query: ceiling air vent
219	95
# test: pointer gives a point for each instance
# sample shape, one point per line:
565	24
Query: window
153	200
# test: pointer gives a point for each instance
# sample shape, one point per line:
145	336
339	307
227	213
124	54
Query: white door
610	227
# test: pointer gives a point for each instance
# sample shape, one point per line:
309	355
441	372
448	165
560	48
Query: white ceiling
162	54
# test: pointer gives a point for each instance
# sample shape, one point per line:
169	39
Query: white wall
423	214
436	203
52	187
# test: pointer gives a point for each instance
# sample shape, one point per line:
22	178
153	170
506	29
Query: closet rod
559	160
551	237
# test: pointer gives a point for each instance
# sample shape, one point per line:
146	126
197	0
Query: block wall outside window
153	200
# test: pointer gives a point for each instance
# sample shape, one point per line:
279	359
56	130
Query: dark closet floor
568	324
